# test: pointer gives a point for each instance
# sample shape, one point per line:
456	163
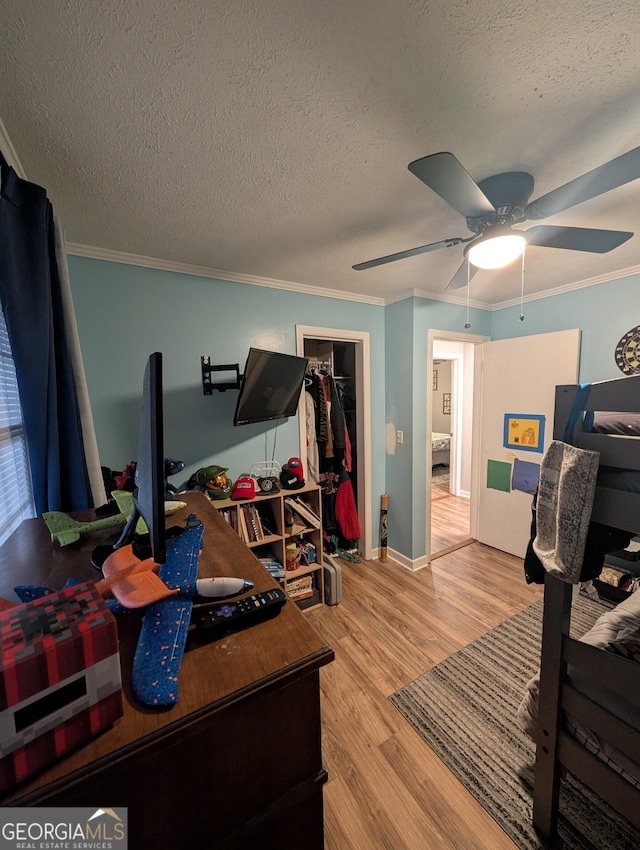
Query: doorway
449	498
450	510
354	349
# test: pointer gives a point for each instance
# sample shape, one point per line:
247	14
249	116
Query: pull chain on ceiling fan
492	206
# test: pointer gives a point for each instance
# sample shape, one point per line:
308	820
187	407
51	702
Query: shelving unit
264	525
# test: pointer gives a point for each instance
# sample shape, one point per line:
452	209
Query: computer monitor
148	495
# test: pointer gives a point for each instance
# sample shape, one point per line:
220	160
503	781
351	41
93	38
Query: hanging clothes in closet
330	435
313	458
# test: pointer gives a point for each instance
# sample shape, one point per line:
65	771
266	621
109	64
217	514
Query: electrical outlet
400	437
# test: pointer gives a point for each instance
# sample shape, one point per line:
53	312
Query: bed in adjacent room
440	449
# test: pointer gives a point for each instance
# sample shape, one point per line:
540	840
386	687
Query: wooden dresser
237	762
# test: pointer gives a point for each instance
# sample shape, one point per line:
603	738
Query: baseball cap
244	488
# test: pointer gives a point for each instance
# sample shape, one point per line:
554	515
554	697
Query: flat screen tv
270	388
148	495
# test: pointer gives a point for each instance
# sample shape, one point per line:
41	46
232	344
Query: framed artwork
524	431
446	402
434	380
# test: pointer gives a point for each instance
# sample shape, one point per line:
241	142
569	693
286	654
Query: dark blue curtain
31	298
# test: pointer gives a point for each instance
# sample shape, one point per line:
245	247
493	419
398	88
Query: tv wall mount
208	384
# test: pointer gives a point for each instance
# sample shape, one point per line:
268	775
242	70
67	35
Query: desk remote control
228	615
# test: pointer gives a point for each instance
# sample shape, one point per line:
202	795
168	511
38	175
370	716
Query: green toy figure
213	481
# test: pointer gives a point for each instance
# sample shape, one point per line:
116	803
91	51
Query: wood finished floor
387	790
450	519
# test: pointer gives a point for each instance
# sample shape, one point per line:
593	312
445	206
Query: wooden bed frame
557	748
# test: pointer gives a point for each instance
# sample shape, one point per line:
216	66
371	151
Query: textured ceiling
272	139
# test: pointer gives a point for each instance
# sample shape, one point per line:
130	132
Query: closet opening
338	374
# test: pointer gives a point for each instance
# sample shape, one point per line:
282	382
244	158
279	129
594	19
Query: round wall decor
628	352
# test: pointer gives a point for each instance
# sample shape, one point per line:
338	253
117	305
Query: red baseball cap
244	488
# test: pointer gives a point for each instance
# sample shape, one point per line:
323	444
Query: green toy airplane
65	530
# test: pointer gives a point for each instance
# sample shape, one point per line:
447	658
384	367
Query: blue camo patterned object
163	636
29	592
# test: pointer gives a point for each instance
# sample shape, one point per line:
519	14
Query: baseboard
409	564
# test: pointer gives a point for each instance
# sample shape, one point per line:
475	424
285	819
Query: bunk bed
587	696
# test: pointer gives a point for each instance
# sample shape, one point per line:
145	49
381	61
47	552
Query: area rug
465	709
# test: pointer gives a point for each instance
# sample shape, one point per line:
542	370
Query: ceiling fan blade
576	238
460	278
411	252
446	176
623	169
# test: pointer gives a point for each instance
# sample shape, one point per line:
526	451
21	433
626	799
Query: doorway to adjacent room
450	399
450	513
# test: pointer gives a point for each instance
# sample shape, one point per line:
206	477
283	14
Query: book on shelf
304	511
246	521
300	591
300	583
273	566
300	588
257	521
230	516
296	597
243	531
251	523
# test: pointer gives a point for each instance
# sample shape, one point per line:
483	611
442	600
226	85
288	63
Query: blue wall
125	312
604	313
432	315
408	325
400	468
406	329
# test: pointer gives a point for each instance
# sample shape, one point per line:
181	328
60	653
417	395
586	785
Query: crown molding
448	298
570	287
218	274
290	286
533	296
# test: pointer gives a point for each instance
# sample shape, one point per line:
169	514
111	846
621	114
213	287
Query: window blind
16	500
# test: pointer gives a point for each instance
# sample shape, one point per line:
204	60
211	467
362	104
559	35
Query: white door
516	378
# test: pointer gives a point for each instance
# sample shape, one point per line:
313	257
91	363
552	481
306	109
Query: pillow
626	644
627	424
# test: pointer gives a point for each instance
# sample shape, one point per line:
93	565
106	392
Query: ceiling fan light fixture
495	252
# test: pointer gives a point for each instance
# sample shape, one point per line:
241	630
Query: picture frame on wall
446	402
434	380
524	431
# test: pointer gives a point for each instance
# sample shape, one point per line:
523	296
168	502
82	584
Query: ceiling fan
492	206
